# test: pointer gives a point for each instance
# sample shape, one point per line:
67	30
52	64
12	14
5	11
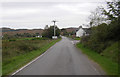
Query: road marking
30	62
94	68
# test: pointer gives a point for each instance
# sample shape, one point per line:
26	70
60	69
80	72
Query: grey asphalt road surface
63	59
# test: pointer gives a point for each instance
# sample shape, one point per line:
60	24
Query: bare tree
96	17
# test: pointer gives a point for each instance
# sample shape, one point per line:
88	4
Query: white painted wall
80	32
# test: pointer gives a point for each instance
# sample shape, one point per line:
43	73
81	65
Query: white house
39	36
82	31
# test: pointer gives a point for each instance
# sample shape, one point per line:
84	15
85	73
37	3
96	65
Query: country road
62	59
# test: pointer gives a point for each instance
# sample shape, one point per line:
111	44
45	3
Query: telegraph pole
54	21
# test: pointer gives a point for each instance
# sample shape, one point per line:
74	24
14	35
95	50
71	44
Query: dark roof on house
87	30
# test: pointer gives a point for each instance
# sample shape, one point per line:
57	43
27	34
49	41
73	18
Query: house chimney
80	26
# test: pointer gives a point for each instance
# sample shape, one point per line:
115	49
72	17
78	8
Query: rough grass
75	38
18	53
112	52
24	38
108	65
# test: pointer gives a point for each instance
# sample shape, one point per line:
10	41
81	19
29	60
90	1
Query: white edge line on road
30	62
95	69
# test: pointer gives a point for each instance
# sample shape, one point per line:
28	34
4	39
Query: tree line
48	33
105	27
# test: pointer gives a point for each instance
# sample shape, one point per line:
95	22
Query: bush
99	39
12	40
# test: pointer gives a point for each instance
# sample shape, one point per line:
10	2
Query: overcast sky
32	14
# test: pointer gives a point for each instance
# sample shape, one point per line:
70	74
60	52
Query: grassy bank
107	64
18	53
112	52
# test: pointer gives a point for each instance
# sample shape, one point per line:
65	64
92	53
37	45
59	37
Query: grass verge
77	38
19	61
110	67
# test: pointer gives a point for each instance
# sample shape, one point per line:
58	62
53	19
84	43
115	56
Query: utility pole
54	21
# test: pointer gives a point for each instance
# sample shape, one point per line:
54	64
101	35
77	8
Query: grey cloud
26	14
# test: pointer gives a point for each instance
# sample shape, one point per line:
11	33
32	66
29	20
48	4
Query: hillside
71	29
111	52
10	31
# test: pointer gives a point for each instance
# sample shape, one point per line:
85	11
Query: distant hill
7	29
10	31
71	29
